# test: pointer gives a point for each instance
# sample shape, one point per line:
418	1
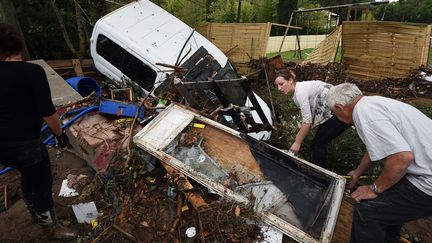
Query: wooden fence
377	50
241	42
326	51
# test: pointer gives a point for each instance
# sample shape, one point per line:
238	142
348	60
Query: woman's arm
301	134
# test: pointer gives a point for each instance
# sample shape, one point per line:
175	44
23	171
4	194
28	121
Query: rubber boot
53	228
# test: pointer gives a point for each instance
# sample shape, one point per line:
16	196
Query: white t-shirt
309	96
388	126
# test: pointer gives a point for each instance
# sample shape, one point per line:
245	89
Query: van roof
153	33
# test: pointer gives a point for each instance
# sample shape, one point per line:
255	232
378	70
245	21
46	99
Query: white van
127	43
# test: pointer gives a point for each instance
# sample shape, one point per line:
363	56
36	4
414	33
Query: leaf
145	224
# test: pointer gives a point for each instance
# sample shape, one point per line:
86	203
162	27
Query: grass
291	55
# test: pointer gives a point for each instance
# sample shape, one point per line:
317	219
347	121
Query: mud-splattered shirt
310	96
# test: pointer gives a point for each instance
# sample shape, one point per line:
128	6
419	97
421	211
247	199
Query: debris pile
415	85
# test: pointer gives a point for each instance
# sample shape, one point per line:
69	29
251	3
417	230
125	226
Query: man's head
10	42
341	99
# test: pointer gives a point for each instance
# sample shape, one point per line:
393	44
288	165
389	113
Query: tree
8	15
265	10
416	11
79	26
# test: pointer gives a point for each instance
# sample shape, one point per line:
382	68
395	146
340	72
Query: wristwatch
373	188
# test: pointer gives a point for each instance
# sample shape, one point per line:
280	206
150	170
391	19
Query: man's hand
362	193
295	147
354	179
62	140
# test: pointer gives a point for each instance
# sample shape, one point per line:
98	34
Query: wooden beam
76	63
291	26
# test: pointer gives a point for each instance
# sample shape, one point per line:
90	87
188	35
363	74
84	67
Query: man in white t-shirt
400	135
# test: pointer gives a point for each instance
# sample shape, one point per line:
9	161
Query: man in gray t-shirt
400	135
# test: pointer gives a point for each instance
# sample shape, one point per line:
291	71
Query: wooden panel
342	231
326	51
243	41
231	152
378	50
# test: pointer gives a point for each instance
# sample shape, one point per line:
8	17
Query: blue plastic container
118	108
84	85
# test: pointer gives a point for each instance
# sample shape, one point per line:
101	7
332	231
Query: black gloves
62	140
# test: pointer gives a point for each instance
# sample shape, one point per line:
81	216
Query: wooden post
76	63
286	31
298	44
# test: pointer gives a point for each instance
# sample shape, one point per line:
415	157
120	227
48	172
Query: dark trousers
380	219
327	131
31	159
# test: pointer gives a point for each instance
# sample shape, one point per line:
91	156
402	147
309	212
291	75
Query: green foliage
265	10
42	30
224	11
190	12
416	11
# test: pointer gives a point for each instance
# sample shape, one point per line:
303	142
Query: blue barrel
84	85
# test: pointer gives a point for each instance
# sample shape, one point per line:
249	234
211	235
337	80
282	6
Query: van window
138	72
110	51
127	63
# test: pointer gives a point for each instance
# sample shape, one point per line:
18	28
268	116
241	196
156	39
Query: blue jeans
380	219
31	159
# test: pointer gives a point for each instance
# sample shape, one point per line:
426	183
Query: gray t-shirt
388	126
310	96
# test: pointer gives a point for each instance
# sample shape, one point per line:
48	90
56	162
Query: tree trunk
239	11
63	29
8	15
208	4
284	9
81	31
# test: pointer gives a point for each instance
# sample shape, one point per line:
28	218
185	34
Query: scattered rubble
415	85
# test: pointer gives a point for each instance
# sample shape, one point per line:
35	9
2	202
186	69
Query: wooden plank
326	50
426	47
373	50
342	232
227	35
231	153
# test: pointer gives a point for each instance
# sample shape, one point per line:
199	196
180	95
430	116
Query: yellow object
124	120
94	223
151	179
185	208
197	125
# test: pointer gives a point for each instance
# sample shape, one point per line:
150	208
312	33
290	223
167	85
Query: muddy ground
147	214
135	208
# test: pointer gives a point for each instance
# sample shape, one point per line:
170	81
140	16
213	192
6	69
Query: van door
108	57
123	65
139	71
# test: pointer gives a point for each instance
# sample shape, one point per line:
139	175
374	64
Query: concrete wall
306	41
